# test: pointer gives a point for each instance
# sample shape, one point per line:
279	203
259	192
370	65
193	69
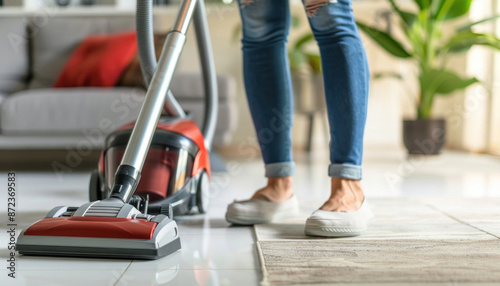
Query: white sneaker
257	211
339	224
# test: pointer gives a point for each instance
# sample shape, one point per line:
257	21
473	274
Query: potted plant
428	48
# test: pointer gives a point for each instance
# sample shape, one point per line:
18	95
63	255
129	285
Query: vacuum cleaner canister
106	229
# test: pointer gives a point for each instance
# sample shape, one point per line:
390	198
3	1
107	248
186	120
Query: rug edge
261	259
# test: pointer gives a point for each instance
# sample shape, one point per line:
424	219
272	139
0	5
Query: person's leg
268	87
346	81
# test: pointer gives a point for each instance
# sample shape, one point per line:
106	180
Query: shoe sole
244	221
251	220
333	231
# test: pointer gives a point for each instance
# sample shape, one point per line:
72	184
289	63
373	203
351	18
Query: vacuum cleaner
129	217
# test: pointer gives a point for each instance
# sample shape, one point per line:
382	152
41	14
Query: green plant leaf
450	9
470	25
295	22
306	38
381	75
465	40
297	59
434	81
422	4
237	30
315	63
387	42
407	17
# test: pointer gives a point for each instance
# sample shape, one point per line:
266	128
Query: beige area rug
409	242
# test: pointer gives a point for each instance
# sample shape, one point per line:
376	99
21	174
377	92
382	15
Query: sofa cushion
54	42
68	111
14	69
2	97
183	87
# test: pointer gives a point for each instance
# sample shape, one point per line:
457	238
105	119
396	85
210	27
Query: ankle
280	183
346	195
277	190
342	186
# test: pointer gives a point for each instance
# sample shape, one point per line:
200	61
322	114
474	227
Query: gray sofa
33	115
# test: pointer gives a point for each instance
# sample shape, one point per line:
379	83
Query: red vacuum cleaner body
176	171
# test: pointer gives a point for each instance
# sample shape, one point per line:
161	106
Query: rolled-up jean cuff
283	169
345	171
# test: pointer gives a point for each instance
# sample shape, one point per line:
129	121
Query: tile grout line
124	271
459	220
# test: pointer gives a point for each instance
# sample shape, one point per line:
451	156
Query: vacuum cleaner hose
209	74
147	53
145	39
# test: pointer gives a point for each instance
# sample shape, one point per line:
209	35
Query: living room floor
215	253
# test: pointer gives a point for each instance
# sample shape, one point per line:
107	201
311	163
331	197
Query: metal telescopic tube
209	73
145	126
183	18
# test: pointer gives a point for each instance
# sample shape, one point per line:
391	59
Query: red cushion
99	60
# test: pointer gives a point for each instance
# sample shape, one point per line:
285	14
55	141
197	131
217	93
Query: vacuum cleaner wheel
203	193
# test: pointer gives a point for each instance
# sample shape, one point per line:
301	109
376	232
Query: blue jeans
266	24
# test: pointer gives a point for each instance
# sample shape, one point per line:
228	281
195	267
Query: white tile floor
215	253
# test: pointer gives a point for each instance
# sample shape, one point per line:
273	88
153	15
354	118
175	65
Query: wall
494	138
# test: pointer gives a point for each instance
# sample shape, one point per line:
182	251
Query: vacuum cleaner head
106	229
